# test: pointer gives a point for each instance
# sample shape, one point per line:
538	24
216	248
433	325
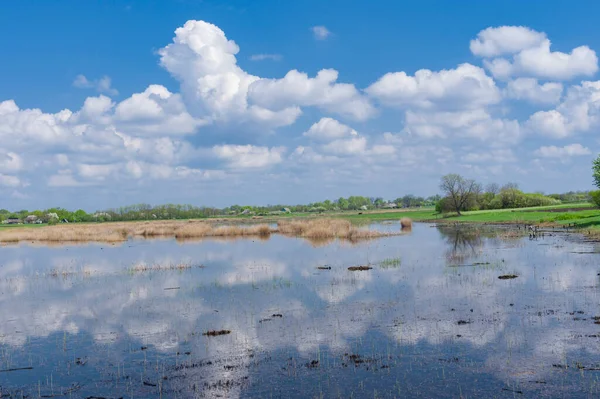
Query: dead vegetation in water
66	233
317	230
508	235
406	223
327	229
215	333
507	276
143	267
359	268
122	231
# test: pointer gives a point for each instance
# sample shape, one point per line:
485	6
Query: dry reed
143	267
314	229
406	223
326	229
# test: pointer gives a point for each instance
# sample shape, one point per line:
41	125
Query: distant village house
31	219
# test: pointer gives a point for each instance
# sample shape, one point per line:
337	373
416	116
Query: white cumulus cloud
102	85
578	112
467	86
531	90
296	88
262	57
474	124
492	42
350	146
329	129
249	156
320	32
571	150
212	84
531	55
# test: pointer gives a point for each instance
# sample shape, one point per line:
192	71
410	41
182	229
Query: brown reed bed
121	231
313	229
327	229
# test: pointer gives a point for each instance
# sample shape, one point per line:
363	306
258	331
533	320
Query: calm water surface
431	319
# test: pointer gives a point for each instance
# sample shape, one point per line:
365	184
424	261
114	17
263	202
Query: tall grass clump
326	228
390	263
406	223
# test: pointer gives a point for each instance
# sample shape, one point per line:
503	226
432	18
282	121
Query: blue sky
104	104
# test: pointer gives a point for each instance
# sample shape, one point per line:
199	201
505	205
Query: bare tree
510	186
492	188
459	191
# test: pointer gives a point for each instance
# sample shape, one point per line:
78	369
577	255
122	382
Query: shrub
442	206
595	196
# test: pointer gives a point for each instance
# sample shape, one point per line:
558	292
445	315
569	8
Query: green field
585	215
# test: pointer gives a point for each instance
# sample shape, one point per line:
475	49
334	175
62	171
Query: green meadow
581	215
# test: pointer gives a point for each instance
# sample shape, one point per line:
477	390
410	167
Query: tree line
459	195
177	211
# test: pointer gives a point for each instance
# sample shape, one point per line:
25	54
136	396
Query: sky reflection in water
92	321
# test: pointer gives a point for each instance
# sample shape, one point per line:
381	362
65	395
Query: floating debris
313	364
16	369
507	276
324	267
450	360
463	322
80	362
513	390
214	333
359	268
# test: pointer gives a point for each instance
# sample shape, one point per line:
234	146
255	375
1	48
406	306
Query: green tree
596	170
460	192
595	196
343	203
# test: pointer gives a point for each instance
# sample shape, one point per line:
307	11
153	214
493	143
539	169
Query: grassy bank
576	215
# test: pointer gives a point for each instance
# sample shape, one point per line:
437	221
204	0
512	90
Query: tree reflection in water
464	243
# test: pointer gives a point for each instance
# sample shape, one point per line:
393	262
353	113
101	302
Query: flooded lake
287	318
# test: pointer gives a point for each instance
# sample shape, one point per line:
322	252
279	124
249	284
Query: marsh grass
122	231
512	234
313	229
390	263
143	267
65	273
327	229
